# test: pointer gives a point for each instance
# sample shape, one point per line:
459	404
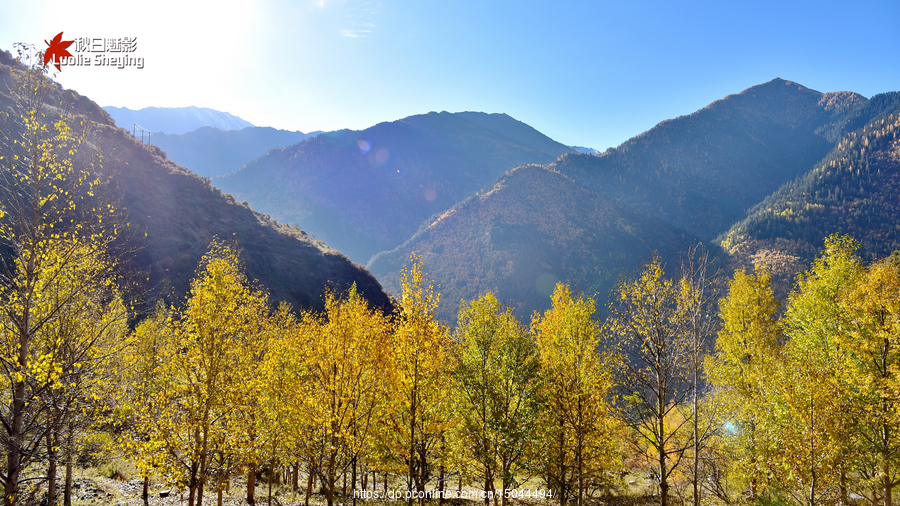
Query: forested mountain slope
533	228
855	190
368	191
174	214
701	172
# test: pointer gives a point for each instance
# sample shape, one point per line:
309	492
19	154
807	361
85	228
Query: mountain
211	152
175	120
588	219
368	191
587	151
855	190
174	214
702	172
533	228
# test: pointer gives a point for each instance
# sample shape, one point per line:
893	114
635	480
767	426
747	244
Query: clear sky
589	73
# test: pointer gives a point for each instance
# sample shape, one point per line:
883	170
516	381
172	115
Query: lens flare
430	195
381	156
546	283
364	146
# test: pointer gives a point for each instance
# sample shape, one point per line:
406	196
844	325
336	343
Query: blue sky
590	73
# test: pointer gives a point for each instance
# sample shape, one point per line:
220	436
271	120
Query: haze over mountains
368	191
175	120
583	217
212	152
175	214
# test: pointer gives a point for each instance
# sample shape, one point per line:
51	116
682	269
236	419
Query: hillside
180	213
368	191
690	178
211	152
175	120
533	228
855	190
701	172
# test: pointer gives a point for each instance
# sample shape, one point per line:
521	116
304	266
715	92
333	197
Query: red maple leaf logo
56	50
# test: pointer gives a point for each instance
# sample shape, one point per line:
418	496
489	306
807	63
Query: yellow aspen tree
578	376
496	380
210	347
279	386
136	401
695	297
50	225
742	368
418	411
345	383
815	446
870	371
647	323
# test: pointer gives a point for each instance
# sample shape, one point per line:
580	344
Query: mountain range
212	152
713	176
368	191
174	214
174	120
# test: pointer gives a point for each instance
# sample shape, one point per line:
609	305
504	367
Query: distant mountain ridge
213	152
688	179
368	191
175	120
701	172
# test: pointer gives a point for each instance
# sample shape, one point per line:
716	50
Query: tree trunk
219	486
13	454
272	476
67	493
309	485
696	477
353	482
145	493
200	490
412	445
843	487
251	484
192	485
329	487
51	469
441	486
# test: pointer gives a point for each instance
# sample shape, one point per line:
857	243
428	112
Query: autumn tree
577	373
212	348
496	378
871	345
648	324
747	354
814	434
52	232
346	351
417	414
696	313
